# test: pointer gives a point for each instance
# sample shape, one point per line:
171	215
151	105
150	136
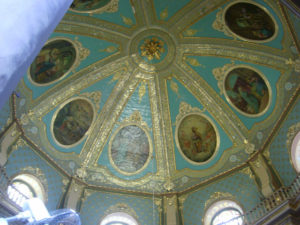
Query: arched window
225	212
295	152
25	186
118	218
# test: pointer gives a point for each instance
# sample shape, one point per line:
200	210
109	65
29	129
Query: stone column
73	195
25	26
266	179
10	136
171	210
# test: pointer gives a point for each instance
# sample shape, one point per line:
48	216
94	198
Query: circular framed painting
53	62
247	91
197	138
72	121
250	21
85	6
130	149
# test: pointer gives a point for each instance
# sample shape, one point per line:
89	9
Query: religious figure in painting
53	61
130	149
247	90
197	138
249	21
73	121
83	5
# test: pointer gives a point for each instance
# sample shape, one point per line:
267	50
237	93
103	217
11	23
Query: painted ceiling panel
91	50
177	99
214	74
131	124
213	25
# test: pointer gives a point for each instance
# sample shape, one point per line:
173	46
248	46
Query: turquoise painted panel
279	154
204	27
25	157
123	17
97	50
168	8
4	114
94	207
185	96
205	71
105	86
239	185
135	103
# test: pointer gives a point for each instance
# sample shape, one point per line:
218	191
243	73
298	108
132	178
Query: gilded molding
121	207
216	196
220	75
232	50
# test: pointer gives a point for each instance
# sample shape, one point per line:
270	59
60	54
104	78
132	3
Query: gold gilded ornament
164	14
152	48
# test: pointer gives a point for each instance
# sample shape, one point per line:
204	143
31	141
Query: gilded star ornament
152	48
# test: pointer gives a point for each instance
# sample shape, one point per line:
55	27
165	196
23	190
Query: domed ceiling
159	95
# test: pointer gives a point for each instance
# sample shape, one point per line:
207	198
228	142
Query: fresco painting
249	21
130	149
73	121
197	138
54	60
247	90
87	5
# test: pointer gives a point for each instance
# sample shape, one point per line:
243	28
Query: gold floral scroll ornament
152	48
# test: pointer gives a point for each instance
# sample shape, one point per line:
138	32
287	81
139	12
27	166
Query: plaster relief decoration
94	6
130	147
196	135
245	88
72	121
57	58
246	20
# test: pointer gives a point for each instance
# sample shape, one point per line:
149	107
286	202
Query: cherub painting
249	21
197	138
247	90
53	61
73	121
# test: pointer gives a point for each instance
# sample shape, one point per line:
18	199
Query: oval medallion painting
54	61
249	21
130	149
73	121
247	91
88	5
197	138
